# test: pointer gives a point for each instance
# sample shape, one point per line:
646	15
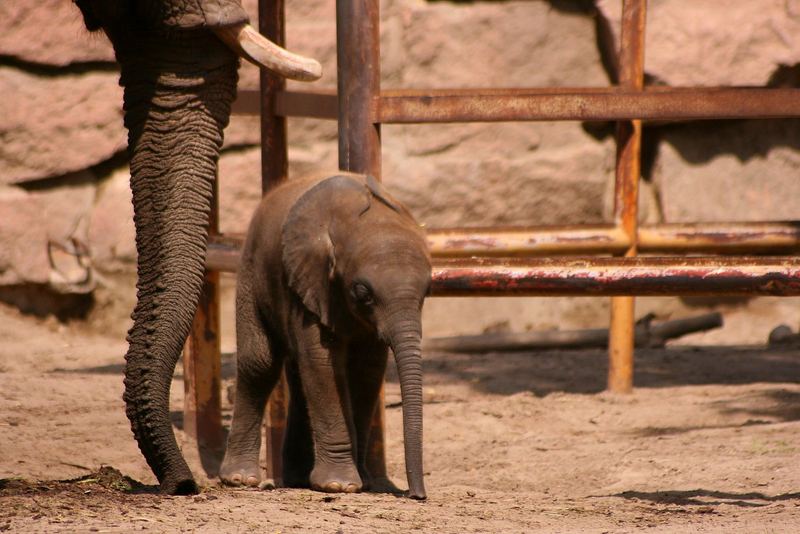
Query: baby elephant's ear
379	192
308	252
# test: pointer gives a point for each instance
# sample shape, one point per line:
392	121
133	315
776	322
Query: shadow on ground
702	497
584	371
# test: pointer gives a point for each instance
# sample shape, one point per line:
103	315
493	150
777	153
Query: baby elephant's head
360	263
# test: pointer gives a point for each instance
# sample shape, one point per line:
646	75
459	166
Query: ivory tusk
254	47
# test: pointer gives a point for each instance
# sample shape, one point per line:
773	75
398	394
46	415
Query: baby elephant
333	273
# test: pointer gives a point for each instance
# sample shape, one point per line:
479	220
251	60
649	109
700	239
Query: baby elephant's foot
335	478
239	472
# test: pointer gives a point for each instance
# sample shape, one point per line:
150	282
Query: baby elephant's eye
361	293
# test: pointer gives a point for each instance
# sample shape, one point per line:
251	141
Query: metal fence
552	261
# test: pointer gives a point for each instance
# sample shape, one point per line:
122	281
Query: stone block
49	32
716	43
67	205
509	174
112	236
57	125
729	171
23	238
239	188
240	179
44	235
495	44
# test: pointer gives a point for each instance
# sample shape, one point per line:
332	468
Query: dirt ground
524	442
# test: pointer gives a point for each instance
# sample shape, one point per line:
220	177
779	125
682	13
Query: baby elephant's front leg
257	371
323	377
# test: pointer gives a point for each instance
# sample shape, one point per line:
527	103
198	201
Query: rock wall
65	215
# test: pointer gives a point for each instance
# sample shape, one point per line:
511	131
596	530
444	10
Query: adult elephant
179	80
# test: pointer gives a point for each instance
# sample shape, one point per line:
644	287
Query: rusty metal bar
721	238
317	104
273	429
274	170
643	275
697	238
608	104
202	404
358	69
274	154
359	85
546	104
626	193
591	277
512	242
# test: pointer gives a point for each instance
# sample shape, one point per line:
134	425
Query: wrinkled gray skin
333	273
179	81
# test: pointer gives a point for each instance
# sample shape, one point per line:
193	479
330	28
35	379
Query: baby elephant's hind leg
257	372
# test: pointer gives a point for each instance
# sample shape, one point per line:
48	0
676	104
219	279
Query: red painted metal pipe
618	277
597	276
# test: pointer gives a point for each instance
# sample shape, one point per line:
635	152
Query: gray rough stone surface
483	174
55	125
495	44
23	254
745	171
49	32
68	206
110	229
716	43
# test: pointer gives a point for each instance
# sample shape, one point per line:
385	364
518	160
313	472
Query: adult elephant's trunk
405	338
178	89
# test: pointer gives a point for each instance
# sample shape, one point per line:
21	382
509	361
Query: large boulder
512	174
49	32
23	254
730	171
44	235
55	125
111	232
716	43
484	174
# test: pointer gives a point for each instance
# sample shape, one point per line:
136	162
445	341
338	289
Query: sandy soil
522	442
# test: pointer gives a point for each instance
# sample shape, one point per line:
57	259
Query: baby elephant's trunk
405	339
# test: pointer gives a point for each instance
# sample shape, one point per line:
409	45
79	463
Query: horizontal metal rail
701	238
546	104
721	238
597	276
587	105
512	242
633	276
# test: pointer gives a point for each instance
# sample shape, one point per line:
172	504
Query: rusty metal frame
519	261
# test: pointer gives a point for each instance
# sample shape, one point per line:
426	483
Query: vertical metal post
359	79
626	191
202	407
359	72
274	170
